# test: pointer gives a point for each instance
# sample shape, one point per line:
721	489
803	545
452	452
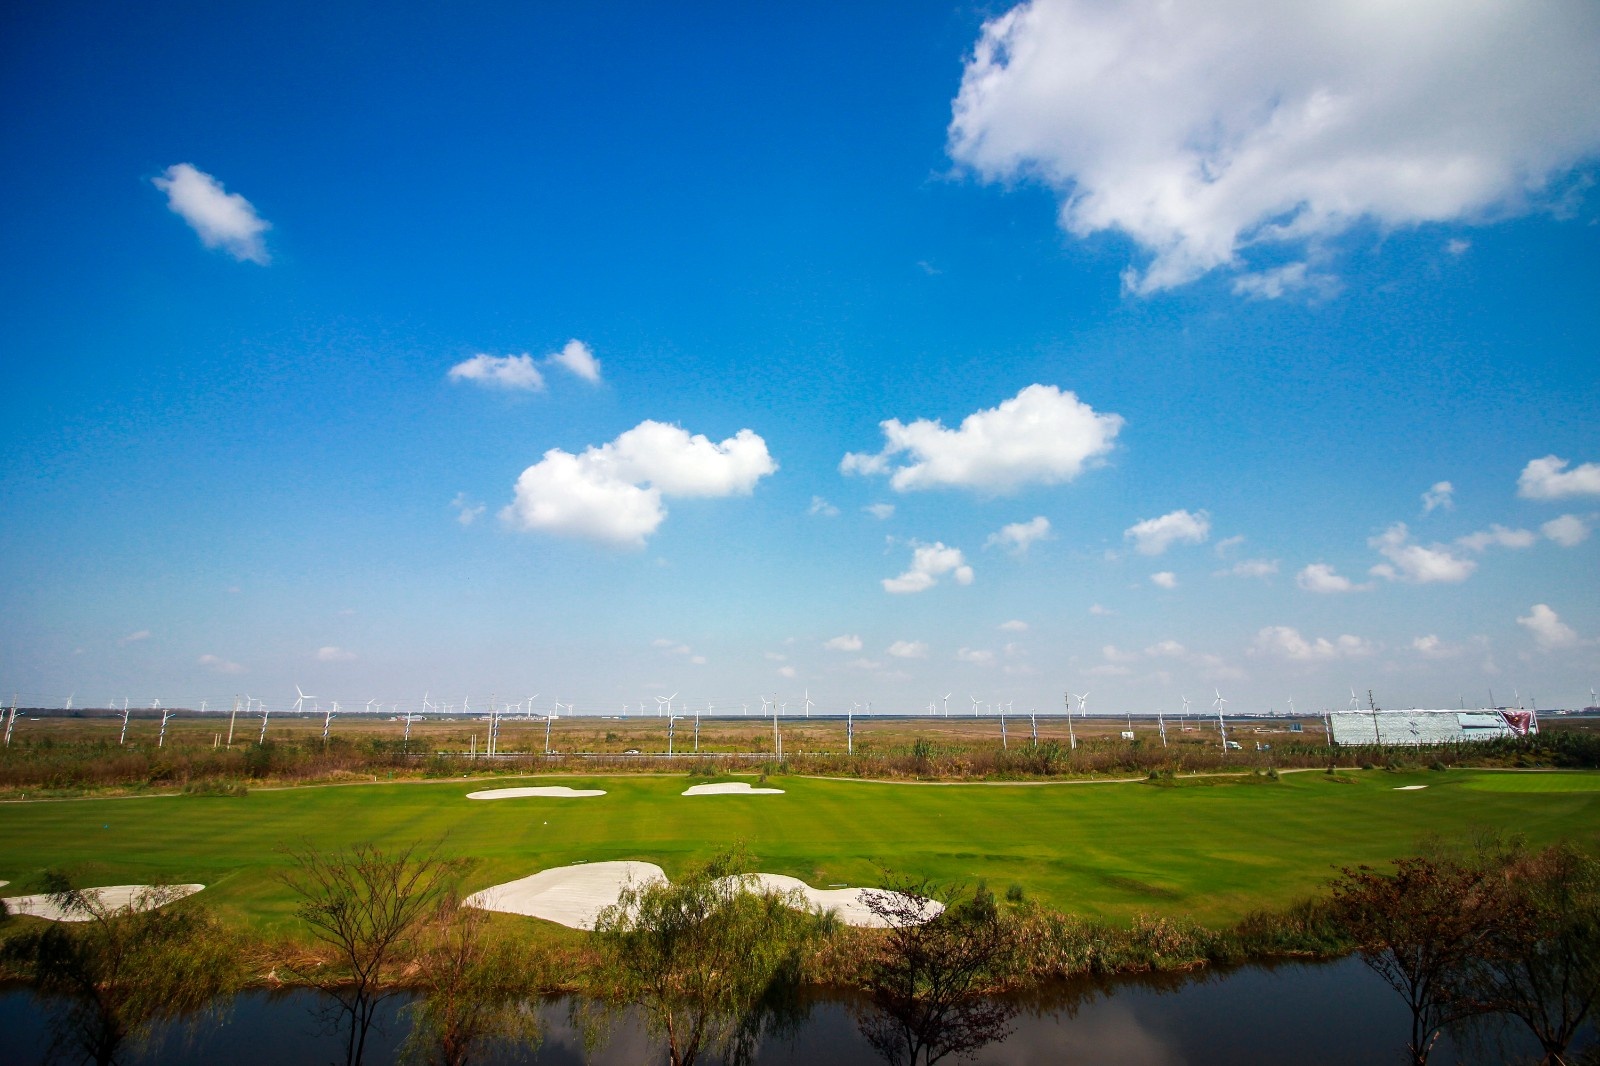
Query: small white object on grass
1408	788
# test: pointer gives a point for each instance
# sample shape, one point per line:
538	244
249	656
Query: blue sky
1278	298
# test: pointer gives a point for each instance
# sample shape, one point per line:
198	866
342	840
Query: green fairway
1213	850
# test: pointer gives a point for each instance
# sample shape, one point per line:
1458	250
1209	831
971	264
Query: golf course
1210	848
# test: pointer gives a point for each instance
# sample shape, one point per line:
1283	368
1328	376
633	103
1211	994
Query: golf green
1210	848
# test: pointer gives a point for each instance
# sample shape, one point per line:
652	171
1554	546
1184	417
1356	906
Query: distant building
1399	728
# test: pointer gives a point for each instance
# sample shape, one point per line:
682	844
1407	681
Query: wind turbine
68	707
975	704
1005	743
945	699
1222	725
808	703
1185	727
300	703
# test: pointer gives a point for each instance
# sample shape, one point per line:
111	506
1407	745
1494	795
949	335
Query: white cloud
1114	654
613	493
219	664
1287	643
223	220
514	372
673	646
929	562
1096	609
880	511
1548	630
467	512
1041	436
1549	479
975	656
1167	648
134	637
786	671
1154	536
1227	544
1110	670
1019	536
1441	495
1414	563
1457	246
850	642
1250	568
1205	131
330	654
576	357
1320	577
697	660
909	649
1165	578
1431	647
1568	531
1497	536
1281	281
1016	625
820	506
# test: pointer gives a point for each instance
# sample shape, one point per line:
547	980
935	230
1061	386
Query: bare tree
1541	961
713	963
367	906
121	970
928	986
1420	930
474	987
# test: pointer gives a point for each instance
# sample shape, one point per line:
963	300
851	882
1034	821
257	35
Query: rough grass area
1108	851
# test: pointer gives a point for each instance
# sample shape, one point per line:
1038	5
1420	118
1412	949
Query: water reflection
1313	1014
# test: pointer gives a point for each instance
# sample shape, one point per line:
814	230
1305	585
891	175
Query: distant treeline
66	765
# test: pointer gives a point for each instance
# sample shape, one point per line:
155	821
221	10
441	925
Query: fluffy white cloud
1497	536
909	649
1019	536
1154	536
787	671
219	664
929	562
880	511
1414	563
514	372
328	653
1250	568
1099	611
1165	578
1431	647
1170	649
576	357
1568	531
1548	630
135	637
1442	494
820	506
1203	130
613	493
1042	436
1016	625
223	220
1287	643
975	656
1549	479
1320	577
849	642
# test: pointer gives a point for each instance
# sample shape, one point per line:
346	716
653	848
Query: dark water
1303	1013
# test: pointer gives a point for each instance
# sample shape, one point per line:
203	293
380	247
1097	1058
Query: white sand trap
113	897
1408	788
731	788
570	895
850	904
548	791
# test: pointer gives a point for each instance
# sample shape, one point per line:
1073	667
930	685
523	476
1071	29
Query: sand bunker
574	896
850	904
731	788
112	897
548	791
570	895
1408	788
